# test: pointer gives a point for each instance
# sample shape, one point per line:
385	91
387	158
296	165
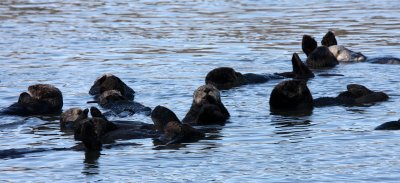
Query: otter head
111	82
206	94
49	94
343	54
161	116
110	97
224	78
71	117
291	95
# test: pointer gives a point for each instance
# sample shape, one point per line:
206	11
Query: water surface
163	50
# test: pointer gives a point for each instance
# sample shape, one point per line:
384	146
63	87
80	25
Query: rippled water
163	50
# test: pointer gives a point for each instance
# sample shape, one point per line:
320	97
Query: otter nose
207	90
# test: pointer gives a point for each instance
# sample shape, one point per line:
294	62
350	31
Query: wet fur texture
206	107
111	82
173	131
95	131
291	95
329	54
224	78
356	95
41	99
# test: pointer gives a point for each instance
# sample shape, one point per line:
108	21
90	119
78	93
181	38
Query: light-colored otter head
206	94
47	93
111	96
343	54
71	117
111	82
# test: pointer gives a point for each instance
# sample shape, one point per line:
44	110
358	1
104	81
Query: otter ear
329	39
24	98
299	68
308	44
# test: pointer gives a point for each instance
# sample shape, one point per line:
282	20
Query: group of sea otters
116	97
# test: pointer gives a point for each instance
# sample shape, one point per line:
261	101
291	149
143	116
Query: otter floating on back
330	54
224	78
294	95
41	99
112	93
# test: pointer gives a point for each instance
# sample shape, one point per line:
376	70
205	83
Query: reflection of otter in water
41	99
294	95
112	93
173	130
330	54
225	77
206	107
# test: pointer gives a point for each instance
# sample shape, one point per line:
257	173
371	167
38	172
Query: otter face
111	96
111	82
343	54
224	78
206	94
70	117
291	95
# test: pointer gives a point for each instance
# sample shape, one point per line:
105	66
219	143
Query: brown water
163	50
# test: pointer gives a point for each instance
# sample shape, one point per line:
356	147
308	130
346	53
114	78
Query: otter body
113	94
41	99
207	107
224	78
294	95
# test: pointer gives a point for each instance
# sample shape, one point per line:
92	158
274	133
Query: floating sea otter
225	78
173	131
41	99
391	125
294	95
330	54
95	131
112	93
207	107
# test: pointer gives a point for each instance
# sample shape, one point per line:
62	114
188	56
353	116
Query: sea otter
206	107
319	57
329	54
112	93
224	78
111	82
356	95
117	103
95	131
391	125
41	99
294	95
291	95
172	129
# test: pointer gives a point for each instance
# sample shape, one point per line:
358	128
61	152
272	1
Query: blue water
163	50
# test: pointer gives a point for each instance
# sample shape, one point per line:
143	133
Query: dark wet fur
321	57
111	82
212	112
280	101
173	130
329	39
391	125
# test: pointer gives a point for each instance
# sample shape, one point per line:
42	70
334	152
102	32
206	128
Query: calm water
163	50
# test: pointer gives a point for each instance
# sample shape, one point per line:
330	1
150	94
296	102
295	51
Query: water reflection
91	164
293	129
